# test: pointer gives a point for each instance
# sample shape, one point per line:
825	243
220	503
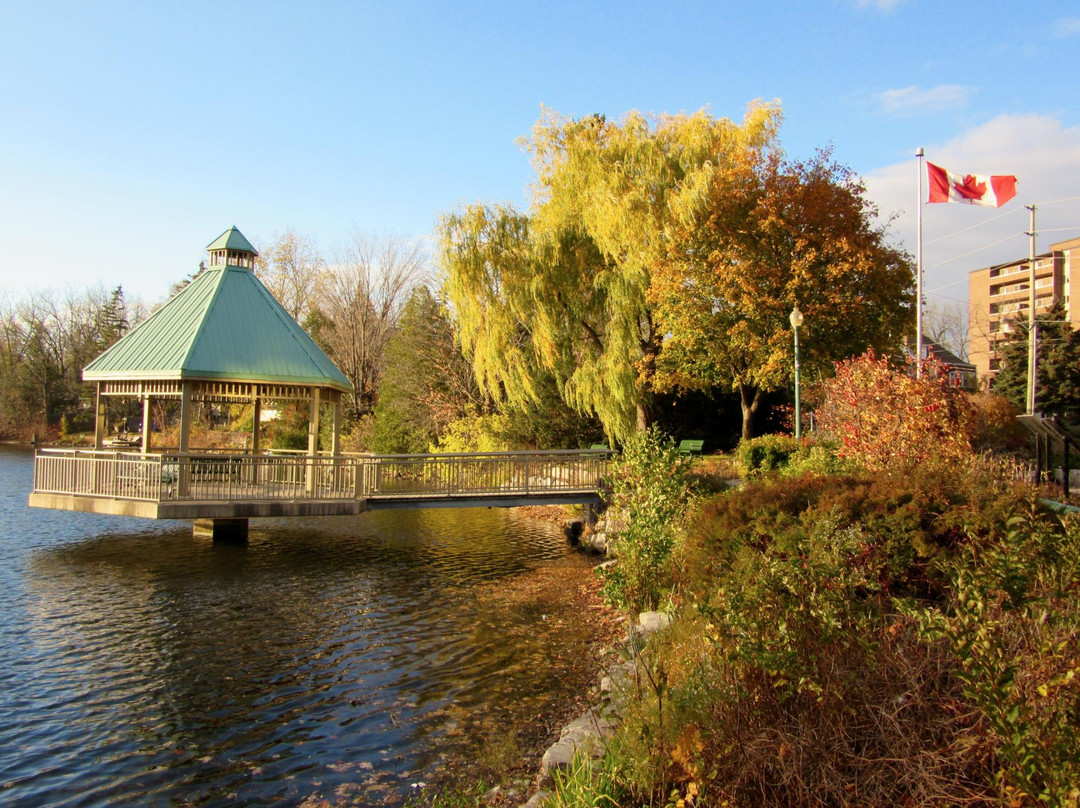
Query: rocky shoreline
589	732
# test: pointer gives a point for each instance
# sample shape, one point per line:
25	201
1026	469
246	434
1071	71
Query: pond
352	660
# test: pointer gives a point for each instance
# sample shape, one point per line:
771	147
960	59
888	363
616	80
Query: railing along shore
217	477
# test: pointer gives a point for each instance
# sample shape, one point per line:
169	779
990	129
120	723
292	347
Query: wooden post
335	440
255	448
184	483
99	420
313	441
1065	470
146	432
255	419
335	443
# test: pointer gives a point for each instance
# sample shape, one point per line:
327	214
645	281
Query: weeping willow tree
564	287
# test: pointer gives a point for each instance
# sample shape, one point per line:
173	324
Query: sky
133	134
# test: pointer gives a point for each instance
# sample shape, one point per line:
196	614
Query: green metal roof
225	325
232	239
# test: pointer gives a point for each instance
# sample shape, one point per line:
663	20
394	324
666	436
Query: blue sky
132	134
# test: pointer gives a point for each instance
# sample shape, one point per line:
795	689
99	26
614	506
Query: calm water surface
345	659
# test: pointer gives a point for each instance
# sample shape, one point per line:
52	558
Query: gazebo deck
222	486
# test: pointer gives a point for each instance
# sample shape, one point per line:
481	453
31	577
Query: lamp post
796	319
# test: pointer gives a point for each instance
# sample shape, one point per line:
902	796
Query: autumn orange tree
764	235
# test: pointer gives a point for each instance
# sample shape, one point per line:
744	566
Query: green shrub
476	433
587	784
766	453
650	485
784	454
72	423
818	458
1012	626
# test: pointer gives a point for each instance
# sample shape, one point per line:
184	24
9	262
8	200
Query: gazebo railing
118	475
175	477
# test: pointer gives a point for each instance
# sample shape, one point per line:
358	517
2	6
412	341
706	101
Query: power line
972	252
946	286
1054	202
972	227
958	300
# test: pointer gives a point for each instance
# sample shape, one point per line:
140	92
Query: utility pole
1032	363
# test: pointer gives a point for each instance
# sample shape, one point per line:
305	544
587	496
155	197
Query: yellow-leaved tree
565	288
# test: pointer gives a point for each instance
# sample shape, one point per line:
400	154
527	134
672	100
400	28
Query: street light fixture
796	319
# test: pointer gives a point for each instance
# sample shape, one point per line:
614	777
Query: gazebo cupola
232	249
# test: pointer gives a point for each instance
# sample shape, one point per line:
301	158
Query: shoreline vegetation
884	614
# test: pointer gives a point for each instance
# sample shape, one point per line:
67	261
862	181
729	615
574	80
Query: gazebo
223	339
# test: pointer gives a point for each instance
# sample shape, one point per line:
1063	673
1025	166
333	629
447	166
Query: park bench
691	447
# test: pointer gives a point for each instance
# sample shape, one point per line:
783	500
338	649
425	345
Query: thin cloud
1066	26
880	5
914	100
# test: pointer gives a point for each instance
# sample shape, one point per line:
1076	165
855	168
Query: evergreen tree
427	382
1057	390
113	319
180	286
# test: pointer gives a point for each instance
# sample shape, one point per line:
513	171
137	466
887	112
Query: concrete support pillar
233	531
588	514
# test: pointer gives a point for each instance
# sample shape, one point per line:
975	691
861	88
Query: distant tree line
373	305
46	338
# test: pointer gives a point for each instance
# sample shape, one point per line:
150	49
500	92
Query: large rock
588	732
597	541
651	622
585	734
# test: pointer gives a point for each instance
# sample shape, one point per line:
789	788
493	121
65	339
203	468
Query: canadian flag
972	189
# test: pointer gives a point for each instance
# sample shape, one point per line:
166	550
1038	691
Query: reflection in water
345	657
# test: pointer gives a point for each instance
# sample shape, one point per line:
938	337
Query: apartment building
999	294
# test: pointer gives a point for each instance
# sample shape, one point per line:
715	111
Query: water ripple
347	656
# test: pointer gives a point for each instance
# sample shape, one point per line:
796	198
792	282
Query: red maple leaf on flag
970	188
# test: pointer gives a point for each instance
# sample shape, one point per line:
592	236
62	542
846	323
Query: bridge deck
208	485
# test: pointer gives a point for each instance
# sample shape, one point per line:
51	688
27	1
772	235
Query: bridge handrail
514	453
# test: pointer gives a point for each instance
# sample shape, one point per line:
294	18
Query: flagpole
918	273
1032	360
